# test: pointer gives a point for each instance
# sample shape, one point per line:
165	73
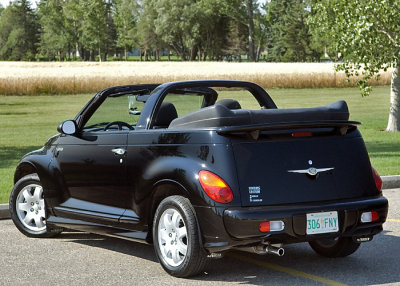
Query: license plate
322	222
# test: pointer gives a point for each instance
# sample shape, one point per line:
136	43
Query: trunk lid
279	171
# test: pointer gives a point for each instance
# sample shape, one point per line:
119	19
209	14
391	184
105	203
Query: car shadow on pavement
137	249
373	263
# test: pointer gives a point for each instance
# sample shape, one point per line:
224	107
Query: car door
92	164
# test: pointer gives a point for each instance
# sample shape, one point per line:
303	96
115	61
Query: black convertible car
201	167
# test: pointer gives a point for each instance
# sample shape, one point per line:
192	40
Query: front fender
42	162
34	162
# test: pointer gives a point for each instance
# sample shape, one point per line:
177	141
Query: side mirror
67	127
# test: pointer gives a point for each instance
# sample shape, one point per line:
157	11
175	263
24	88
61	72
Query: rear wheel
176	238
334	247
27	208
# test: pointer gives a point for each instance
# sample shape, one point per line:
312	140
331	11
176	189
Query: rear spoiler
254	129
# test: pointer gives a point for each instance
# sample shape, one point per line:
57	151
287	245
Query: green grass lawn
25	124
27	121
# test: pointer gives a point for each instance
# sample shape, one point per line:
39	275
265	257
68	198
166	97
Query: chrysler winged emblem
311	171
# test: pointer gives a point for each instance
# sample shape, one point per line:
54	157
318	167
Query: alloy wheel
172	237
30	207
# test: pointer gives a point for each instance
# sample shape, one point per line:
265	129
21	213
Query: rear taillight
267	226
215	187
369	216
377	178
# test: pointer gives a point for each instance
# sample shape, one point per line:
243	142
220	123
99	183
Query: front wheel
176	238
334	247
27	208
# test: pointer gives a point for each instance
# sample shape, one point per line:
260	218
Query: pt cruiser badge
311	171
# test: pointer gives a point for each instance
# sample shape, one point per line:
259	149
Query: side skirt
91	227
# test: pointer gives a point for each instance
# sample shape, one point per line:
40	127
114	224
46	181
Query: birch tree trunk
249	6
394	114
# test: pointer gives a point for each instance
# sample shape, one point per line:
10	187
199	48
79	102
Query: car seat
166	114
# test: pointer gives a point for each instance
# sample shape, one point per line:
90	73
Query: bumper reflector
267	226
369	217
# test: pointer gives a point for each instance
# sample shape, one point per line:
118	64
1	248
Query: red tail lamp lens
265	226
377	178
374	216
275	225
369	216
215	187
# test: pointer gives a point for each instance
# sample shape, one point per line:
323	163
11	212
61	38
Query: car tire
177	239
339	247
27	208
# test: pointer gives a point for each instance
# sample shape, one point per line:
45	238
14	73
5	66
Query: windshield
124	108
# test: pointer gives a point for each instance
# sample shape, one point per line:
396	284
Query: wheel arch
162	189
47	171
24	169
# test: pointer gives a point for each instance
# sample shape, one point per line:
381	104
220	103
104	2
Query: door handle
118	151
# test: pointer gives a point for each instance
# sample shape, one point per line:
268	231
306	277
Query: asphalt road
85	259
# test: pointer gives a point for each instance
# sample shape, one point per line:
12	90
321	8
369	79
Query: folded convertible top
221	116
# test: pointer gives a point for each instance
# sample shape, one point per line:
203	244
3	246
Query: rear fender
168	176
179	173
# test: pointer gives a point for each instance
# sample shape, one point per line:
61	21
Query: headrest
166	114
230	103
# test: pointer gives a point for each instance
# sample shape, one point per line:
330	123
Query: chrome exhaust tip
264	249
275	250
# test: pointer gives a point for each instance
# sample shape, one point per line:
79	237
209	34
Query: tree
126	18
235	40
290	37
367	33
55	37
250	24
262	31
321	42
18	32
178	26
243	12
95	27
213	29
148	37
73	13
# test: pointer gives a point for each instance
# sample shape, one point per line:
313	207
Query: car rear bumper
241	224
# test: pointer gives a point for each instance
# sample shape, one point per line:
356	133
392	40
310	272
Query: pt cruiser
198	168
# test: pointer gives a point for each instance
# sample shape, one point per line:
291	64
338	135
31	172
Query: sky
4	3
